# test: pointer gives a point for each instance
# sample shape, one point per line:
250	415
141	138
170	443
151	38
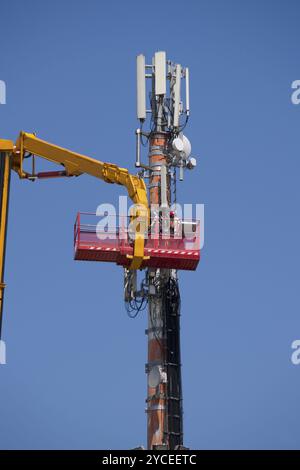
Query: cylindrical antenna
138	148
163	187
141	87
187	91
181	172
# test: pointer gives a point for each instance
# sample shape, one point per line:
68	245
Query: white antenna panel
160	73
141	87
177	95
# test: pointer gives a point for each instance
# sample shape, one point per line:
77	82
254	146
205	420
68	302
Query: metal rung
174	398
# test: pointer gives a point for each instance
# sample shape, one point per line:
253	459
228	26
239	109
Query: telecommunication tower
165	83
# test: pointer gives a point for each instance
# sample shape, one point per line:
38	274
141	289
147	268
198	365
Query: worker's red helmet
172	213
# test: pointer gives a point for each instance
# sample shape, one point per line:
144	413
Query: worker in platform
172	223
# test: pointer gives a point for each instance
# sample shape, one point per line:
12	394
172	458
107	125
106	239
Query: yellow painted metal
76	164
4	209
6	145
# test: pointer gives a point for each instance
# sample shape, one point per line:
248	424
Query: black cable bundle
171	296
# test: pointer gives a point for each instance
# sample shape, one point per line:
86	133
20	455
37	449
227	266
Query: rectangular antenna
141	87
160	73
163	187
177	95
187	91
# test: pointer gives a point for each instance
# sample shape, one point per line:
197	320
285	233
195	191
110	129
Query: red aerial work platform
94	242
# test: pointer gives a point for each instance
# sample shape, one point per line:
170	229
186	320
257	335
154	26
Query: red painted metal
52	174
95	244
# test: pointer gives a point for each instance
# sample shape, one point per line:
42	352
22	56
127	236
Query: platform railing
185	233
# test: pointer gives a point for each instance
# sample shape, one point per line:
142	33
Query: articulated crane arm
74	164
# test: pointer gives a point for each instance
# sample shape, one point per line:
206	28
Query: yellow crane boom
75	164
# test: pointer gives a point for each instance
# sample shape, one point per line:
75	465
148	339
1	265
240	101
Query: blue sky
75	372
